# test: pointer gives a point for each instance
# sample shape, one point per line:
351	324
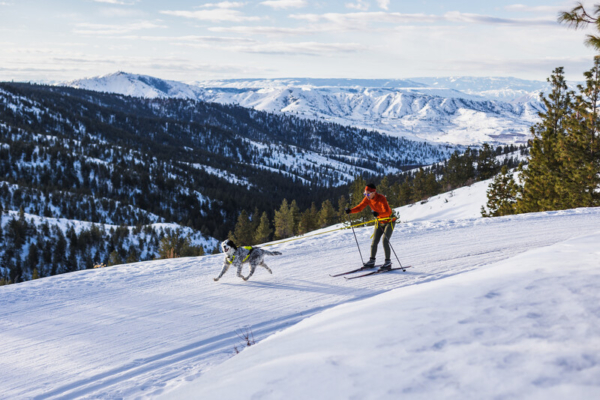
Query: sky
62	40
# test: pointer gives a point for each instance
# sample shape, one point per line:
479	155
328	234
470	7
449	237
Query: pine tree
174	245
540	178
384	186
341	211
243	232
71	262
405	194
263	231
424	185
114	258
60	251
33	256
308	220
255	220
458	170
189	250
1	216
88	260
327	215
487	165
502	195
579	150
295	212
132	257
283	221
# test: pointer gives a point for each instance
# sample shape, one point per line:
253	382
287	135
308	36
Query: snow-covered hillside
523	328
455	110
146	329
463	203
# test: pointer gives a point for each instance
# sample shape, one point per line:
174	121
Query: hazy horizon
355	39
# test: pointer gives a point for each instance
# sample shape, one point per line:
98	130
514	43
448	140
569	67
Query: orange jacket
379	204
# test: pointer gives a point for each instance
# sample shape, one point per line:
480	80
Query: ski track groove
140	329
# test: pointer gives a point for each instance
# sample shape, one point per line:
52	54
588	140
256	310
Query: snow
526	327
460	203
492	308
464	110
232	178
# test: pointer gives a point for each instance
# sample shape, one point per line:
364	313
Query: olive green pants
380	229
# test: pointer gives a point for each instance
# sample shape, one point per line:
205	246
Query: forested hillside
123	161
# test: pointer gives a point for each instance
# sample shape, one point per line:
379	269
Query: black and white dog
238	256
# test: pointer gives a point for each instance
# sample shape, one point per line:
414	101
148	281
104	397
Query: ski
354	270
379	271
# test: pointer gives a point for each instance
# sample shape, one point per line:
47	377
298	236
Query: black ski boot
370	263
387	265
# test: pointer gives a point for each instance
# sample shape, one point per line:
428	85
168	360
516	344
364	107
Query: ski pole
359	252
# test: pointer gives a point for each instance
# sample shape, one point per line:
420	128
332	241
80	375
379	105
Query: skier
385	223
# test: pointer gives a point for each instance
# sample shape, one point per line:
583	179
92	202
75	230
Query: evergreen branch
577	18
593	42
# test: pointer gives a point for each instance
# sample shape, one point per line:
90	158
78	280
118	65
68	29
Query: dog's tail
272	253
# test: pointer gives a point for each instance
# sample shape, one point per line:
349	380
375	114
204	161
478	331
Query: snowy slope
456	110
461	203
524	328
137	86
138	330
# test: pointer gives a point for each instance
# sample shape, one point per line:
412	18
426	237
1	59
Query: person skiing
385	223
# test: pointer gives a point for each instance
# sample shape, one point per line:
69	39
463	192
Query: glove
375	214
347	211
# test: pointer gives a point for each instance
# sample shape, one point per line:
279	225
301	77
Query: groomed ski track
137	330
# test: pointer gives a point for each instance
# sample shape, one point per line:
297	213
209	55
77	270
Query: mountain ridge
465	110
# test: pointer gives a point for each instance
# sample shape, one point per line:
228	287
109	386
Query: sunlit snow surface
524	328
154	328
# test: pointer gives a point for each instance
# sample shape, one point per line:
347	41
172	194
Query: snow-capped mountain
462	110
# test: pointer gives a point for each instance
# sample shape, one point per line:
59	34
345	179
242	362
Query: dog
238	256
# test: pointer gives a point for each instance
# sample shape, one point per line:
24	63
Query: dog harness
249	248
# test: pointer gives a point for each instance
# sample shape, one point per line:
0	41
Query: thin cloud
139	64
304	48
383	4
119	2
264	30
120	12
541	66
223	4
377	16
350	19
282	4
102	29
535	9
361	5
214	15
455	16
190	39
